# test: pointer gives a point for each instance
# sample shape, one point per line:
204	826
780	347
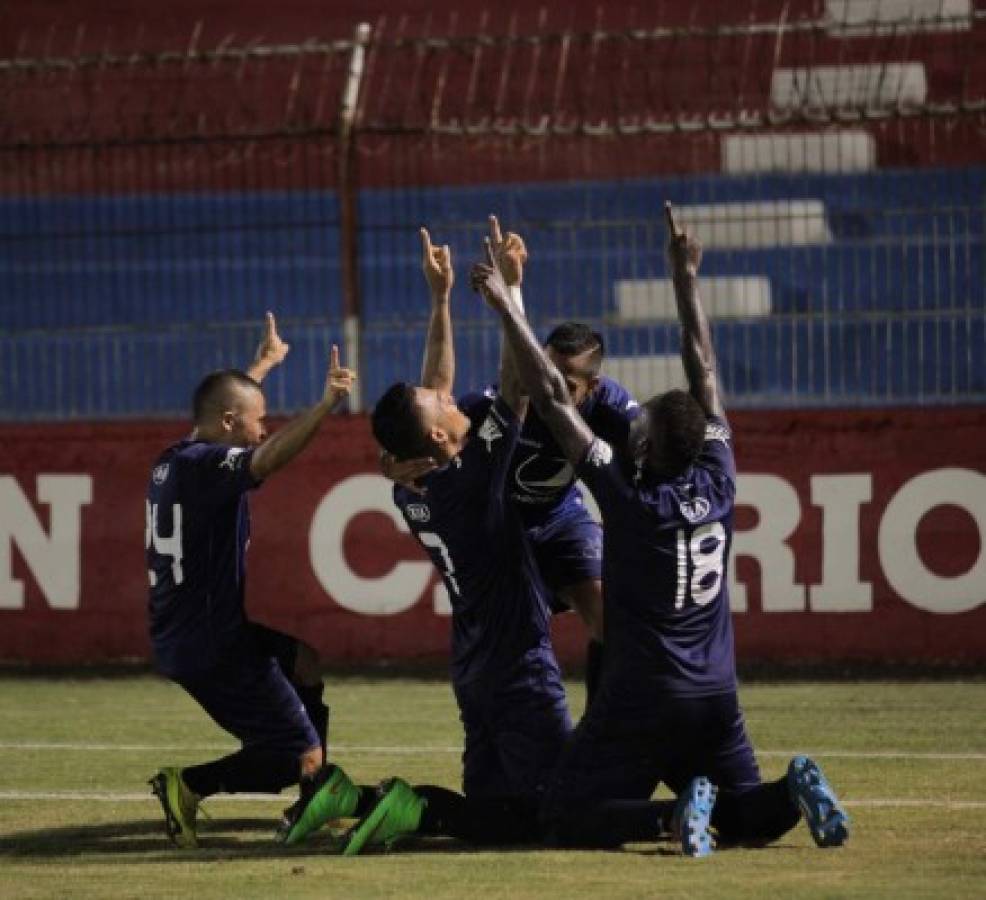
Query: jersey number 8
433	542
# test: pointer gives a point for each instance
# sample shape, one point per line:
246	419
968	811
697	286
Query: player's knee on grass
755	817
307	671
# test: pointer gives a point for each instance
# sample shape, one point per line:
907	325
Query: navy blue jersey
668	628
475	538
198	528
541	479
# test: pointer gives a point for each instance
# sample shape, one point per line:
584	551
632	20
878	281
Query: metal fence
153	205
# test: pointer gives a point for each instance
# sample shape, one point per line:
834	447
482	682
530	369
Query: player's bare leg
586	598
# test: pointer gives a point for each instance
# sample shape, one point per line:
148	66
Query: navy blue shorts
624	757
568	548
513	741
249	695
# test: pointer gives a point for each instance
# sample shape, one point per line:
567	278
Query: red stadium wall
860	537
129	128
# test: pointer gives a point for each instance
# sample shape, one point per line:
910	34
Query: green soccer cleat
180	806
330	795
395	815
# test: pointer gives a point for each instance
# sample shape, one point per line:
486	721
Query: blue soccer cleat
826	819
692	814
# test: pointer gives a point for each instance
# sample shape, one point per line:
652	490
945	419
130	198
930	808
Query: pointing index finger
425	242
495	234
271	325
334	357
669	215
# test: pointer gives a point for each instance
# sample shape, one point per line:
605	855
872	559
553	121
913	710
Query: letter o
899	557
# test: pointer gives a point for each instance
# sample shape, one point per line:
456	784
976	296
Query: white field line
220	748
132	797
423	749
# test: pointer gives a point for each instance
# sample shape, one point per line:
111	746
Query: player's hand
487	280
684	251
436	263
271	350
509	253
338	382
407	472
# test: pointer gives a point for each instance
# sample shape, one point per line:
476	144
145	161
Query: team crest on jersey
490	431
230	462
695	510
714	431
600	454
418	512
160	473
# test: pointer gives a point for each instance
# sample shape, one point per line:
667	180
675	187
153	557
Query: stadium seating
871	281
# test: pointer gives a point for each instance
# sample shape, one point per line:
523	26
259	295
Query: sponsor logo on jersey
160	473
418	512
600	454
542	478
231	462
715	431
695	510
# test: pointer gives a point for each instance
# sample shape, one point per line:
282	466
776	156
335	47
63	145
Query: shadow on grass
145	841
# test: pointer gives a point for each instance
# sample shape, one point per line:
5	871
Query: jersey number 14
165	546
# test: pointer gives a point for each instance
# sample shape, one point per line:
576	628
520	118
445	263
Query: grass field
77	820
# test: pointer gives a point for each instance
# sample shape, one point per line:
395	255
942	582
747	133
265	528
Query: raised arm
697	353
270	352
509	255
512	390
438	367
540	377
286	443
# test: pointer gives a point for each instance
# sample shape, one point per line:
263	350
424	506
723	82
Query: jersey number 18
705	549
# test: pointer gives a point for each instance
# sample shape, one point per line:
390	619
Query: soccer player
567	542
504	673
261	686
667	707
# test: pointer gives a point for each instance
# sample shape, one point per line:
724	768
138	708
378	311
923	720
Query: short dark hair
573	338
682	426
214	390
397	425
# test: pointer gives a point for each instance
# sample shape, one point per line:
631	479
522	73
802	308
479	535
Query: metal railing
154	204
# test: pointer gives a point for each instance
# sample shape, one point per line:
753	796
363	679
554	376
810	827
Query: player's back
668	628
197	532
475	537
541	480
